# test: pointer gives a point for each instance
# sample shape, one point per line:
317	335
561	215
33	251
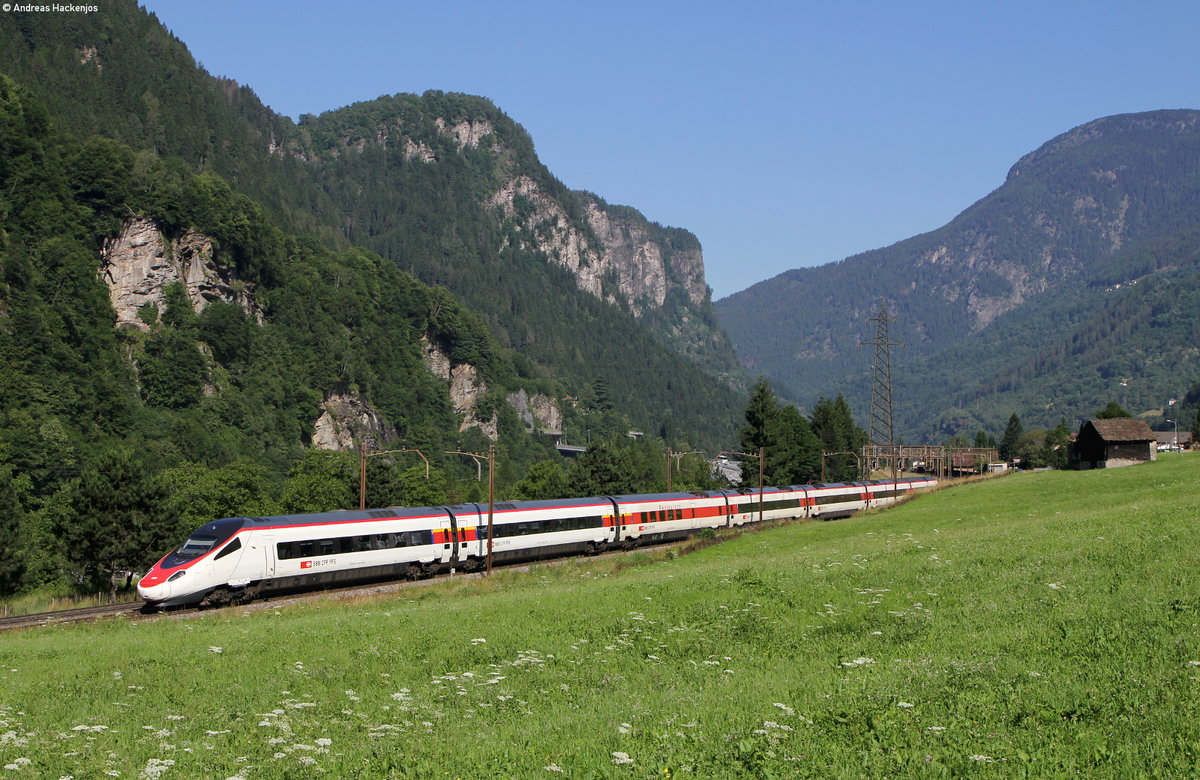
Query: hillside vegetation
1034	625
391	176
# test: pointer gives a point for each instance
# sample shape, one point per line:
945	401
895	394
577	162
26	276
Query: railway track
39	619
133	611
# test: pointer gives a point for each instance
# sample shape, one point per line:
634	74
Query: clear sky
783	134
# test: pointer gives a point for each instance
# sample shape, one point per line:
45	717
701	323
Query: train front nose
155	587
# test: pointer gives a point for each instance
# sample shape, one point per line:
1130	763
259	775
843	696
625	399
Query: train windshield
203	540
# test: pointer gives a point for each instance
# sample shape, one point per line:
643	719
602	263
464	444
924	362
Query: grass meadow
1034	625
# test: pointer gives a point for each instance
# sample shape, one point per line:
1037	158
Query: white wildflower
624	728
13	738
156	766
904	705
324	742
552	768
1052	586
621	758
785	708
18	764
216	650
858	662
980	757
1193	663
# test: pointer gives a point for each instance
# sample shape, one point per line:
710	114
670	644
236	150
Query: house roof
1123	429
1168	437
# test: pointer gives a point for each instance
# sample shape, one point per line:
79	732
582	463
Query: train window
203	540
306	549
233	546
413	538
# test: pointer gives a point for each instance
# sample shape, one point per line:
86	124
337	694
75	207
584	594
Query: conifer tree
122	519
833	424
1011	440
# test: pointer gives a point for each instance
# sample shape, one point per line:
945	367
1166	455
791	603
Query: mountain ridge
122	75
1064	212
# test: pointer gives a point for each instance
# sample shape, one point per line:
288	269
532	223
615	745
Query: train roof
644	497
342	516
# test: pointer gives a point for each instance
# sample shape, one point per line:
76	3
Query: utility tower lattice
882	430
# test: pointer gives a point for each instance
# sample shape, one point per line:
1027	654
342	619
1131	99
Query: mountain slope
1105	202
445	186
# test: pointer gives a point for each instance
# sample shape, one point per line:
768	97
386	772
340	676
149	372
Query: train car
242	558
663	517
528	530
239	559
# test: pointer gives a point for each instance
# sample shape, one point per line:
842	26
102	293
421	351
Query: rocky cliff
406	146
346	420
617	260
141	262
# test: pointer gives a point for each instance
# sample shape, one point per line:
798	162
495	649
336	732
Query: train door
805	502
612	522
263	547
470	524
446	534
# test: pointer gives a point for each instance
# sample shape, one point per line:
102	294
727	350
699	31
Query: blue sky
783	134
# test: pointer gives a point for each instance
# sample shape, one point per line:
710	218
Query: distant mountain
1073	284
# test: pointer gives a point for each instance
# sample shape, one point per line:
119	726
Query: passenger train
238	559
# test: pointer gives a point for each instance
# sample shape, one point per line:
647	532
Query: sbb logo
305	564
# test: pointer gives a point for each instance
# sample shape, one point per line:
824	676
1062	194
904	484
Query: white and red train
242	558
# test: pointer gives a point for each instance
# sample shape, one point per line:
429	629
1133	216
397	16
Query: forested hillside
398	176
205	307
1071	285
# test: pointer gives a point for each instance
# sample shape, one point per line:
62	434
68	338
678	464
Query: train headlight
176	575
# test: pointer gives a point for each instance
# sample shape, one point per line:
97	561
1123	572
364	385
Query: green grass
1037	625
60	598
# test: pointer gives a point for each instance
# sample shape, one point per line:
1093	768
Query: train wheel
220	597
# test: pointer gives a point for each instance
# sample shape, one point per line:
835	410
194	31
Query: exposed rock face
628	266
467	132
418	151
466	389
644	267
537	411
346	420
139	263
89	54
